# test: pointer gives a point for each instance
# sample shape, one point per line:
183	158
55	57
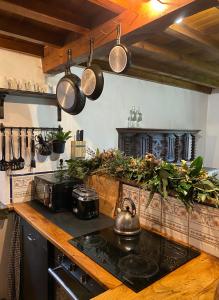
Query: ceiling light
179	20
157	5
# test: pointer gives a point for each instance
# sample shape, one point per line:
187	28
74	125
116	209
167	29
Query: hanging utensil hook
91	51
118	30
69	62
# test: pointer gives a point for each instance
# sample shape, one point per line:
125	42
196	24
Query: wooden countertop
196	279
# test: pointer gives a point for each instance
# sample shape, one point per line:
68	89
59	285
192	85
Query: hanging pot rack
2	127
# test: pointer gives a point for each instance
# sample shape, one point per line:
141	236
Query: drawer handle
31	238
52	272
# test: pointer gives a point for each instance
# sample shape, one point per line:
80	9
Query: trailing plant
189	183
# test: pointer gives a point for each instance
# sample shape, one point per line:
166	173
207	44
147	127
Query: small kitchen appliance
85	202
127	221
137	260
53	192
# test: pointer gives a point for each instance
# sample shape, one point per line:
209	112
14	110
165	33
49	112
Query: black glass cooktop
137	261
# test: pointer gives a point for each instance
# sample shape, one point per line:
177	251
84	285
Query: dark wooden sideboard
168	144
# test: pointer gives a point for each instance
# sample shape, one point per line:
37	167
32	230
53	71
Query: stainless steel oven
68	281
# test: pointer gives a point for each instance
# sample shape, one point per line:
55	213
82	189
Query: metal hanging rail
30	128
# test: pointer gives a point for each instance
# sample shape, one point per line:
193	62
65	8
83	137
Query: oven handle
61	282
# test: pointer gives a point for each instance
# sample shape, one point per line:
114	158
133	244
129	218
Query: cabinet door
127	144
34	278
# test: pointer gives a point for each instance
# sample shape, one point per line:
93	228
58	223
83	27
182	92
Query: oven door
66	287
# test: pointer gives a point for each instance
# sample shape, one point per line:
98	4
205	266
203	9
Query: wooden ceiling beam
165	54
134	26
143	74
133	5
109	5
194	37
178	72
21	46
29	32
40	17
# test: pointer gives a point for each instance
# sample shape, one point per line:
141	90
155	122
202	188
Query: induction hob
137	261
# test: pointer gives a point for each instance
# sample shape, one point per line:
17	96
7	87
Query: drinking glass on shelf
50	88
36	87
10	83
24	84
32	86
19	85
14	83
29	88
45	88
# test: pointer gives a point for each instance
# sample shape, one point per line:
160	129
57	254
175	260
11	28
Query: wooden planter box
108	190
199	228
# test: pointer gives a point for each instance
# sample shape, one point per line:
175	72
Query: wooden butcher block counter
196	279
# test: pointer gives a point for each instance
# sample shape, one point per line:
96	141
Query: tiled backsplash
199	228
21	187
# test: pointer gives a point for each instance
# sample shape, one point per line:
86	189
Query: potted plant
58	140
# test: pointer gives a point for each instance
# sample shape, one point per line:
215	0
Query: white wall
212	131
162	107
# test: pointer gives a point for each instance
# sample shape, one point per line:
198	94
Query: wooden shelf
24	96
153	130
27	93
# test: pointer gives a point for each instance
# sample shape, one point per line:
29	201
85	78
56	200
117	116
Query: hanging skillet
92	80
119	57
68	91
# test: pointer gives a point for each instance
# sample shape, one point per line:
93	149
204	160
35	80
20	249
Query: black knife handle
32	144
26	138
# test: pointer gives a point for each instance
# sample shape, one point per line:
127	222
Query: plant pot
58	146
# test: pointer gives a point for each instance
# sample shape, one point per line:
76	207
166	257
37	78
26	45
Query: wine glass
133	116
139	118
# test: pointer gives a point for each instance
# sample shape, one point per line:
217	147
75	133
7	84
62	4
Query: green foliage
60	135
81	168
196	166
187	183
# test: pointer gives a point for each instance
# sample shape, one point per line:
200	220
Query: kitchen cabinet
34	272
172	145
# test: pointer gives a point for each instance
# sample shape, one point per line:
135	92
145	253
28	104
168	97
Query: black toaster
85	202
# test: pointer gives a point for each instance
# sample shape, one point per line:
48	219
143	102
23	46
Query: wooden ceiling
184	54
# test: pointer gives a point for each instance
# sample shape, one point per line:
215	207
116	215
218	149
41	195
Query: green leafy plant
189	183
60	135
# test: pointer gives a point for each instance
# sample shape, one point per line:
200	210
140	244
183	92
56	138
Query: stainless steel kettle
127	222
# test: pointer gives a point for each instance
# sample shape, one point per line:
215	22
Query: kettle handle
133	207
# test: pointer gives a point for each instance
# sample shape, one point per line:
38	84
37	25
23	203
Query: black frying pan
68	91
92	80
119	57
